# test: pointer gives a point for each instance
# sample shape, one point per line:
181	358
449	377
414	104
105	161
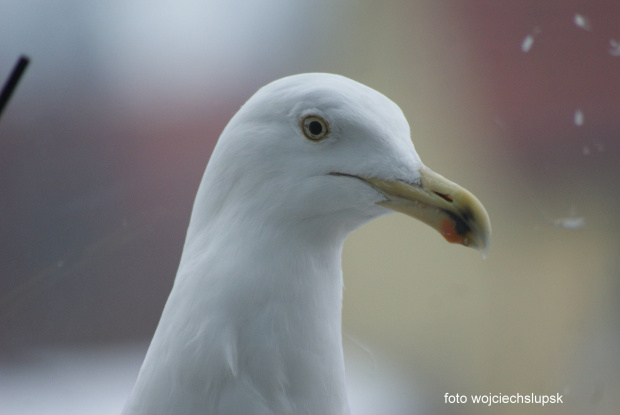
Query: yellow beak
453	211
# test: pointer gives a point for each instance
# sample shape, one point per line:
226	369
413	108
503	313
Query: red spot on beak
449	232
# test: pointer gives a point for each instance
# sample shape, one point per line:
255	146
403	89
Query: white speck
578	118
582	22
586	150
570	223
527	43
614	47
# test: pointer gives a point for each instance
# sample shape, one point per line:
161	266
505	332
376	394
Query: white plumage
253	322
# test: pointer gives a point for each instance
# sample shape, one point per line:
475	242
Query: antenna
11	83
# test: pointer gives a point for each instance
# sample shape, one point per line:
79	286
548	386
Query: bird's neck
255	323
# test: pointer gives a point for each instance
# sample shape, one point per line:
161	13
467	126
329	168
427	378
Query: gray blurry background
105	141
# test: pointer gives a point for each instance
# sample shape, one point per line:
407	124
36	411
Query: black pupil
315	128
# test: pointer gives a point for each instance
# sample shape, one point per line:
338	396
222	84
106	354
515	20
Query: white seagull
253	322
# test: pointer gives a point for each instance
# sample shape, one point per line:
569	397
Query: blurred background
104	143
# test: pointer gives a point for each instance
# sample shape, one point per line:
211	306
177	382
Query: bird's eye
314	127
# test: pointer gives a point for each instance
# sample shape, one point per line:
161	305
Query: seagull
253	322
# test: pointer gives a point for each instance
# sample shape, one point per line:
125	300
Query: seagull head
330	153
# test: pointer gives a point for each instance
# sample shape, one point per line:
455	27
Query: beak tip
480	243
484	249
481	237
483	242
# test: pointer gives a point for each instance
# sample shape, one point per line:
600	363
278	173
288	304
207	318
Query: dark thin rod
11	83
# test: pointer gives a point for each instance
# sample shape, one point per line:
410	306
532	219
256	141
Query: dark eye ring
314	127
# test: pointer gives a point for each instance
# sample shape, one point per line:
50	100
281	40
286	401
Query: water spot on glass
582	22
614	47
578	118
570	222
528	41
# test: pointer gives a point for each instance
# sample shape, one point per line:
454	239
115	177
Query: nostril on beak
444	196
